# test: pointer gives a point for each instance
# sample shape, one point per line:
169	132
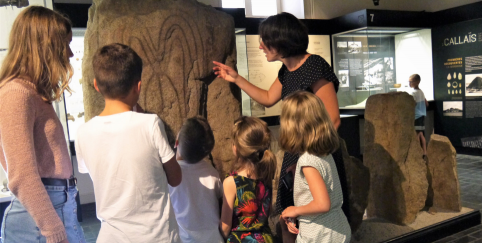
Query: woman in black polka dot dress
284	38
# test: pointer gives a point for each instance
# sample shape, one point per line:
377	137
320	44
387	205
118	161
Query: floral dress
250	211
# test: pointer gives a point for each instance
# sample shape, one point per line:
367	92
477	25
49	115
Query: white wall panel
295	7
413	55
233	3
8	15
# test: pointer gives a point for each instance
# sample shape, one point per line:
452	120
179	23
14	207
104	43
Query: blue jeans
19	226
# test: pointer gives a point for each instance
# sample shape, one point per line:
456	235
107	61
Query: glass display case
242	67
376	60
74	102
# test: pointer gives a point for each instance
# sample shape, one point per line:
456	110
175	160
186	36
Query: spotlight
16	3
376	2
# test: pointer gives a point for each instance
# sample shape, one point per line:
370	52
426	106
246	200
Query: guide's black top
312	70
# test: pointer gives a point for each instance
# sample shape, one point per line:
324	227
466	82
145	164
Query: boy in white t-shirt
197	199
127	156
421	105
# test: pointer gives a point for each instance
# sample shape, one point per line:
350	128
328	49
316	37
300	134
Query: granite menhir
177	41
398	173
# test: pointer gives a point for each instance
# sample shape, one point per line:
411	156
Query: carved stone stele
177	41
358	185
398	181
444	190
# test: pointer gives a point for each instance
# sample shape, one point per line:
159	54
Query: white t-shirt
420	108
196	203
124	154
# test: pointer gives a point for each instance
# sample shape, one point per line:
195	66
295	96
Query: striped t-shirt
420	108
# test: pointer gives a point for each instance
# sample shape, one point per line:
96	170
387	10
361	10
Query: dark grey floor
90	223
469	169
473	234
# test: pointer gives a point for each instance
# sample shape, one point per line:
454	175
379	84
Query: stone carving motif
444	188
398	182
177	41
358	185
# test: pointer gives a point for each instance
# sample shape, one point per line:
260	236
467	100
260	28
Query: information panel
457	68
365	66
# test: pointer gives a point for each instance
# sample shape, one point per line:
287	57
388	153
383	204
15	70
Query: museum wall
328	9
214	3
296	7
413	55
7	17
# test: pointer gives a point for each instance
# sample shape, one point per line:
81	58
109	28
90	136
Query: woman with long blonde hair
33	150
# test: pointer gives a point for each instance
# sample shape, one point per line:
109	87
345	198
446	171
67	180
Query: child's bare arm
173	172
426	103
321	200
228	204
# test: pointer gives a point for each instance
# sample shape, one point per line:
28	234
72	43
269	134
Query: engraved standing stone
358	185
398	181
442	167
177	41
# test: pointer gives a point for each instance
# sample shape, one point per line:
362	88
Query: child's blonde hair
38	51
252	139
306	126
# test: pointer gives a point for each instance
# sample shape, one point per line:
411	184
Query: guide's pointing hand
225	72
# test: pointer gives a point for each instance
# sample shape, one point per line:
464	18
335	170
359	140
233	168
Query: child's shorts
420	125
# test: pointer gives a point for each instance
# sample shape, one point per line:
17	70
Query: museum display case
74	102
375	60
242	67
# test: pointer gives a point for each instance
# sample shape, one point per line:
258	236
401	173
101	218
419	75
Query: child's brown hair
306	126
117	68
196	139
252	139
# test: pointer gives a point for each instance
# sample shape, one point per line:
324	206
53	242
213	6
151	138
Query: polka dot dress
314	69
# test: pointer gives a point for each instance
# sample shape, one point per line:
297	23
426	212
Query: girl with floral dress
248	189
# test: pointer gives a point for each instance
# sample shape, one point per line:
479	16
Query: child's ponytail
252	139
266	167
